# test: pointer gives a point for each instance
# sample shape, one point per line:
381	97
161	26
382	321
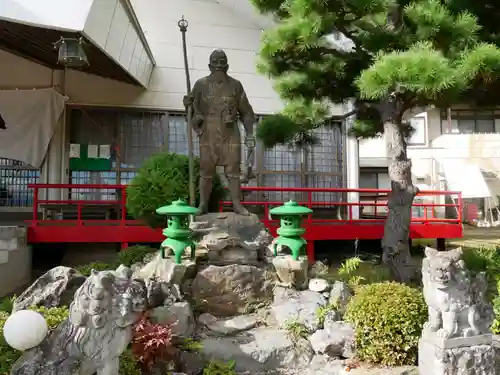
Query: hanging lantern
71	52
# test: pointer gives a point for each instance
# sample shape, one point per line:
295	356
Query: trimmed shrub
134	254
98	266
163	178
388	320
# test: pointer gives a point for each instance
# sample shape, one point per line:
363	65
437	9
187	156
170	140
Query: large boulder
259	350
54	288
230	238
297	306
180	314
336	340
228	290
229	326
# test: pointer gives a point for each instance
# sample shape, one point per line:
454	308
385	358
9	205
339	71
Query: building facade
130	98
452	149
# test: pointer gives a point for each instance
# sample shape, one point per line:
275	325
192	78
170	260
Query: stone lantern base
457	356
292	273
228	238
166	270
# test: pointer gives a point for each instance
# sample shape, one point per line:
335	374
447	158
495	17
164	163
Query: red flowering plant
152	343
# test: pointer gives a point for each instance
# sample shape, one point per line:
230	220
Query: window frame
424	141
469	115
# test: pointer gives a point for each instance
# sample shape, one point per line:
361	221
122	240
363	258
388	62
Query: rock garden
222	313
223	297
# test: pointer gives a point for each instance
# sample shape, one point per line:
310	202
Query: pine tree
390	57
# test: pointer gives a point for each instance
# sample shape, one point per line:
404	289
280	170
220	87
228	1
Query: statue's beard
219	75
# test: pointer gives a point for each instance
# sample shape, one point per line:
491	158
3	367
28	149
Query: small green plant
347	271
296	329
323	311
189	345
134	254
8	355
220	368
386	332
129	365
53	315
254	306
7	304
85	269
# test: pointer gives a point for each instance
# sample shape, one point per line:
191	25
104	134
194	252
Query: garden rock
166	270
291	272
228	326
301	306
258	350
54	288
97	331
324	365
162	294
318	285
230	238
180	314
191	363
318	269
340	295
336	341
227	290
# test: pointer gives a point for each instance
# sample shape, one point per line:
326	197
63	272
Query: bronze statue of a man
218	102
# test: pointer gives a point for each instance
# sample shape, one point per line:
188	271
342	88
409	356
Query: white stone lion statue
98	330
456	300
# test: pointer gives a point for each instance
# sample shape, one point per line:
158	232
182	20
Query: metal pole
183	25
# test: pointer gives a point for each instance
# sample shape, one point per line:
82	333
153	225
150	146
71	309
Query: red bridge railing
98	213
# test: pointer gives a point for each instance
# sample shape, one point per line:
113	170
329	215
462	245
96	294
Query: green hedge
386	332
163	178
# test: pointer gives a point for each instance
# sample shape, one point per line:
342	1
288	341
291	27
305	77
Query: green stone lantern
290	231
178	234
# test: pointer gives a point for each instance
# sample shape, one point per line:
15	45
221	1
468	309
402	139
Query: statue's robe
217	107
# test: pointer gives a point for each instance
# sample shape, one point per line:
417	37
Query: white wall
112	27
480	149
21	73
211	26
61	14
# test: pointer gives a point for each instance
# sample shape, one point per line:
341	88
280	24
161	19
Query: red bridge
98	214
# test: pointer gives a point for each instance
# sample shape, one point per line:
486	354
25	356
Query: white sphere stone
25	329
318	285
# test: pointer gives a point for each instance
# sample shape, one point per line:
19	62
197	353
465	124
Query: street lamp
183	25
71	53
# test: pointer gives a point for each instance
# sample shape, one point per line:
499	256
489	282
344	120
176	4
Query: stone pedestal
230	238
457	356
292	273
167	271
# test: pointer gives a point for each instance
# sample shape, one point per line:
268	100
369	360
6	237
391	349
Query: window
374	178
468	121
419	134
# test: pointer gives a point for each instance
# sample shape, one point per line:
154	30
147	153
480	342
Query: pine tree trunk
395	244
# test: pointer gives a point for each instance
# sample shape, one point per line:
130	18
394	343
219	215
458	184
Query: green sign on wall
94	158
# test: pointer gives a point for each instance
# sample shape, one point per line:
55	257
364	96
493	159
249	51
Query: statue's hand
187	100
250	142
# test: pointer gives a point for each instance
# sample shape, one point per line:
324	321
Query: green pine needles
420	53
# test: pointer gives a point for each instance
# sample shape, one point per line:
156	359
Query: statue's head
444	268
218	61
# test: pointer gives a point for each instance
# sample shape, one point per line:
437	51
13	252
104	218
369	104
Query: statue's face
218	61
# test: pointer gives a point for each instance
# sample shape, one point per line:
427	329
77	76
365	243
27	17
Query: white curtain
31	118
